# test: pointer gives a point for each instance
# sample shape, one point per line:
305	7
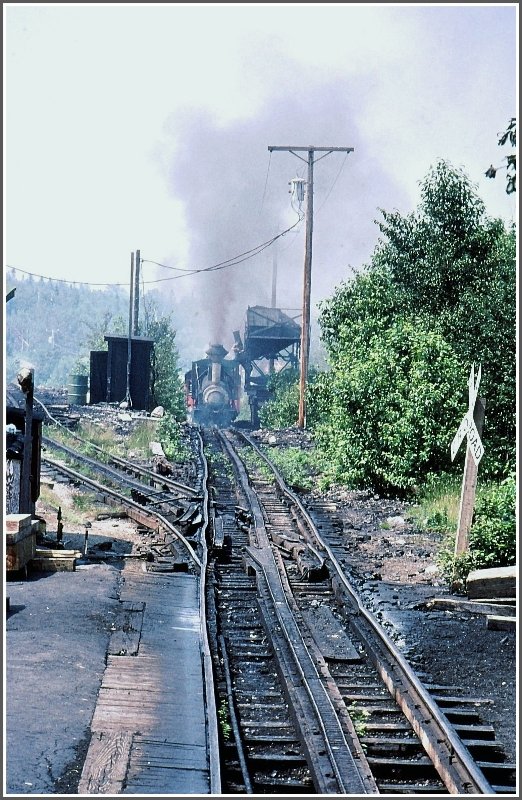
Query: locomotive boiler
212	389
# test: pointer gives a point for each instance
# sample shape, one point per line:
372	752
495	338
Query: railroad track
311	695
156	502
276	742
172	551
412	738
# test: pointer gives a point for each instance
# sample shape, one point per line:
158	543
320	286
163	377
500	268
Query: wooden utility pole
129	338
135	327
307	279
271	366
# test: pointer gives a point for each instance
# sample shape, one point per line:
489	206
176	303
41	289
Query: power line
333	184
62	280
266	183
230	262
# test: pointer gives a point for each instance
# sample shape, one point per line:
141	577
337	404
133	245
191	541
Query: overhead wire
266	182
333	184
230	262
62	280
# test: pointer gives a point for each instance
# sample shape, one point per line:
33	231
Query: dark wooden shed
140	370
98	377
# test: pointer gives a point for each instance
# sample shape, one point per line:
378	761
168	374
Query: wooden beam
469	485
106	764
494	582
472	606
498	623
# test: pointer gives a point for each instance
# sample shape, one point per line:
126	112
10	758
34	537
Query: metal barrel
77	390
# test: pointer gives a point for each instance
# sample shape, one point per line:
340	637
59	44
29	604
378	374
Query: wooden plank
498	623
503	601
106	763
329	635
46	552
20	553
17	522
218	532
126	640
53	564
14	537
494	582
471	606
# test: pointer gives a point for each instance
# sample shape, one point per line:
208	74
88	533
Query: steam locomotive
212	389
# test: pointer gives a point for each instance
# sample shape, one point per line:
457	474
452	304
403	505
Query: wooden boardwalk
149	731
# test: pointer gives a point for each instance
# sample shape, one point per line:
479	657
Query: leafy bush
492	537
282	410
446	272
296	466
170	433
393	409
166	379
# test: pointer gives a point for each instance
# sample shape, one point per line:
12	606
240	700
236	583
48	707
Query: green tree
393	406
438	295
511	161
50	324
457	266
167	383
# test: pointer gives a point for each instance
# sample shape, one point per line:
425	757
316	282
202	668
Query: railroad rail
409	737
311	694
175	488
102	767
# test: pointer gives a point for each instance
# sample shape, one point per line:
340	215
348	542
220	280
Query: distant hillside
52	326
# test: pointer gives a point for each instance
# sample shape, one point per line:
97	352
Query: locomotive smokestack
216	353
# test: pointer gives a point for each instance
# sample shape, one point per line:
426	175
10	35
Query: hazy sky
147	126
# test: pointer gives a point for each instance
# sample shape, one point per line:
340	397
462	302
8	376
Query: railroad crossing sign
467	427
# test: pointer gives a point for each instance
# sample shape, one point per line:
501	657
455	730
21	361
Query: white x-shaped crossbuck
467	427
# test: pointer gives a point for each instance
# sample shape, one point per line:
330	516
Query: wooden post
274	289
136	324
26	381
469	485
129	338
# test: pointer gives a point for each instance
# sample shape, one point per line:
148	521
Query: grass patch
298	467
85	505
359	717
492	537
48	498
100	436
254	462
226	728
438	505
86	438
77	508
140	438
